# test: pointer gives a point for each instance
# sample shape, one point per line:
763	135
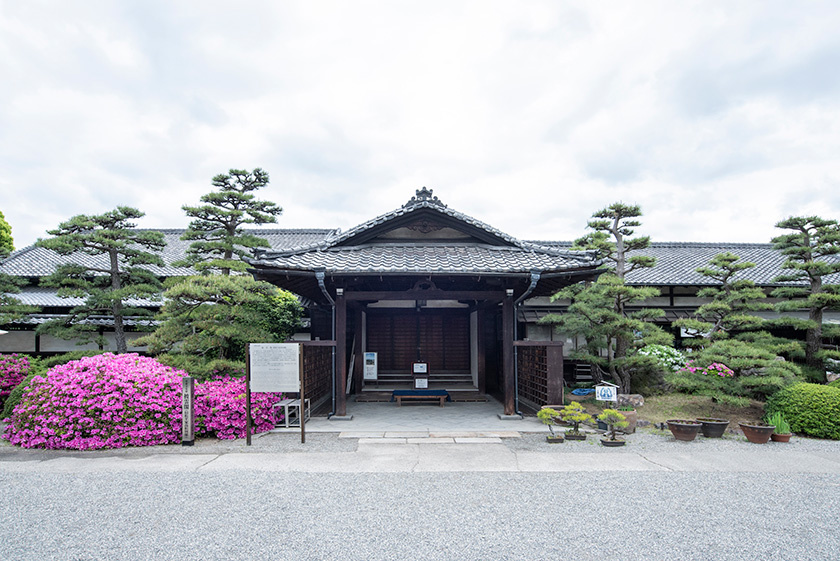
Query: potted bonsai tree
574	414
782	432
549	418
614	420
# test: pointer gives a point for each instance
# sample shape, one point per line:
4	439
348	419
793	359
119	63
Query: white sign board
275	367
421	383
606	393
370	366
420	368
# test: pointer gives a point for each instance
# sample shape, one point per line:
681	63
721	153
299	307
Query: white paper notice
275	367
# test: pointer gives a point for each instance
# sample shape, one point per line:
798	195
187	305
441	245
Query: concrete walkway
414	417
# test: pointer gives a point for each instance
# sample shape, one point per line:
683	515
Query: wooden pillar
341	354
509	381
358	352
554	367
482	350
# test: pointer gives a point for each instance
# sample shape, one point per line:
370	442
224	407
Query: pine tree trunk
116	306
813	336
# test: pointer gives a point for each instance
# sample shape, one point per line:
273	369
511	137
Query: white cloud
717	118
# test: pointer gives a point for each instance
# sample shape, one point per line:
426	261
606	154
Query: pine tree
7	244
811	249
598	311
108	283
726	330
208	320
219	241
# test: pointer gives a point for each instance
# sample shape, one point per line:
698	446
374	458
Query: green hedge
835	384
811	409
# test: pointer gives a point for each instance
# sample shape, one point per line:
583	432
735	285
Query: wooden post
358	351
340	355
248	394
482	351
509	382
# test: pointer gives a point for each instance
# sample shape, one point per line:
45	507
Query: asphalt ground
410	497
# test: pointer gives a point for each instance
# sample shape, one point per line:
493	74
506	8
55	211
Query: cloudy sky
718	118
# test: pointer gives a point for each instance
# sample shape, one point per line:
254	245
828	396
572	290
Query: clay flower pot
555	439
684	429
573	436
612	443
757	434
713	428
775	437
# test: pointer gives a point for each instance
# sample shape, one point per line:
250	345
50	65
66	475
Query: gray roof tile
34	261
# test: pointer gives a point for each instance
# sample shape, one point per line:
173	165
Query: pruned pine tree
727	330
598	310
7	244
218	239
812	263
208	320
732	302
108	284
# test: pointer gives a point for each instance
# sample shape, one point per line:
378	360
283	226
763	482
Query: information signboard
606	392
371	370
275	367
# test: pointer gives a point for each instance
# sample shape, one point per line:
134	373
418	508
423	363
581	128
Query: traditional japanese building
423	284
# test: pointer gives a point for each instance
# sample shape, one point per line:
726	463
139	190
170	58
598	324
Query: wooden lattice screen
540	372
317	370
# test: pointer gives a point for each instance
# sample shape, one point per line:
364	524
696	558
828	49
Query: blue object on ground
422	392
583	391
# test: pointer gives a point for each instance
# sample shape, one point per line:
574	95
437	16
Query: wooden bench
420	395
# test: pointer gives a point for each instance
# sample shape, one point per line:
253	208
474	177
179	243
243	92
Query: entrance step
463	396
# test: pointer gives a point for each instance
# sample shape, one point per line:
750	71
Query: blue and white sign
606	392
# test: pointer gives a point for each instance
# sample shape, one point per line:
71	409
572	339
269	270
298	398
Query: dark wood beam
508	379
341	356
496	295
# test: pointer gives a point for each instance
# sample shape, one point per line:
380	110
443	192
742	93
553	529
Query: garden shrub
112	401
834	384
811	409
668	357
220	409
13	369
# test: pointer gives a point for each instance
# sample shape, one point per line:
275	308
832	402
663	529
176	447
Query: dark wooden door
439	337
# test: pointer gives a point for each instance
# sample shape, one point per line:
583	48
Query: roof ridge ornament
424	196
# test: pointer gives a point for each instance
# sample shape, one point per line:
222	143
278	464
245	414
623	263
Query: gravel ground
446	516
580	515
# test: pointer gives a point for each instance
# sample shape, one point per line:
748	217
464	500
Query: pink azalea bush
13	369
220	408
112	401
714	369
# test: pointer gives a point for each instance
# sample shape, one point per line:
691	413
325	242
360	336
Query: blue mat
430	393
583	391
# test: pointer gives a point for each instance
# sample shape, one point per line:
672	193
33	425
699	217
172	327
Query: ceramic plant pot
554	439
612	443
684	429
571	436
757	434
780	437
713	428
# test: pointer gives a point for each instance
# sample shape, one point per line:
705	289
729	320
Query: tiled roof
47	297
105	321
38	262
416	258
676	262
501	254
